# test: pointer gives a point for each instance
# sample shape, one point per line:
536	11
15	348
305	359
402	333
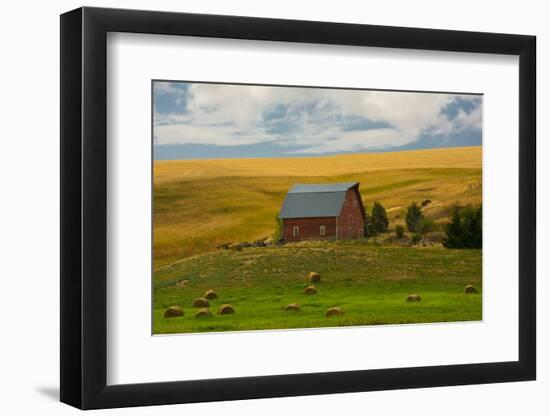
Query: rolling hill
200	204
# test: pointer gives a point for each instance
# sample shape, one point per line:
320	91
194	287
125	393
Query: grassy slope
203	203
369	282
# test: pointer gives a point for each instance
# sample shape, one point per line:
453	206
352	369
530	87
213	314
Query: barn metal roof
315	200
322	188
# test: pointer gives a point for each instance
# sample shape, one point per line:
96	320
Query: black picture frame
84	207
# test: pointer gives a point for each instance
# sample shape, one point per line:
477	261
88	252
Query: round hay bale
201	303
292	307
210	295
334	311
413	297
183	283
173	311
203	312
311	290
470	289
314	277
226	309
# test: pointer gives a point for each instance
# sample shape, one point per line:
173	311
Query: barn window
295	231
322	230
350	220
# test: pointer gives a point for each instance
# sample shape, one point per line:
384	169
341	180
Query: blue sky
206	120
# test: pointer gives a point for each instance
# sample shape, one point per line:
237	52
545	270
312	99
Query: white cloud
358	140
228	115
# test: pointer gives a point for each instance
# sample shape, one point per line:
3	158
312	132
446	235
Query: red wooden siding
309	228
350	222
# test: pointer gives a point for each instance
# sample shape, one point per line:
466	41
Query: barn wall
309	228
352	207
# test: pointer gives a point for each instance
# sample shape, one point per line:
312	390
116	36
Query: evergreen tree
414	217
454	231
379	218
465	229
368	227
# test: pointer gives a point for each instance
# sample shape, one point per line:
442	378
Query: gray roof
322	188
315	200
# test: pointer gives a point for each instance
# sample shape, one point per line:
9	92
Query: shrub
278	233
413	218
465	229
399	231
415	238
425	226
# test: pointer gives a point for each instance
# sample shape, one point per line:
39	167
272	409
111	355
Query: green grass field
200	204
370	282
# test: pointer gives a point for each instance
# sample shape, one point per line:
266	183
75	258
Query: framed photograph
258	207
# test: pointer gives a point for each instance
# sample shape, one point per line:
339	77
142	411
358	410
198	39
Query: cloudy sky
203	120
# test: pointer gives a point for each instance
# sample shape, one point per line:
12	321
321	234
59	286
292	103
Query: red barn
323	211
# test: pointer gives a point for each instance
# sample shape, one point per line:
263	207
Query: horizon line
321	156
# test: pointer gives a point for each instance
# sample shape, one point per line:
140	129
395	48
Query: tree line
464	231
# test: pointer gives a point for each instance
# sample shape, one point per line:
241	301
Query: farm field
201	204
370	282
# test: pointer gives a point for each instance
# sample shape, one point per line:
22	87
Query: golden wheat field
200	204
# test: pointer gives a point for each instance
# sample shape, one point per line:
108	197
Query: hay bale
226	309
183	283
210	295
292	307
470	289
201	303
203	312
314	277
334	311
413	297
173	311
311	290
